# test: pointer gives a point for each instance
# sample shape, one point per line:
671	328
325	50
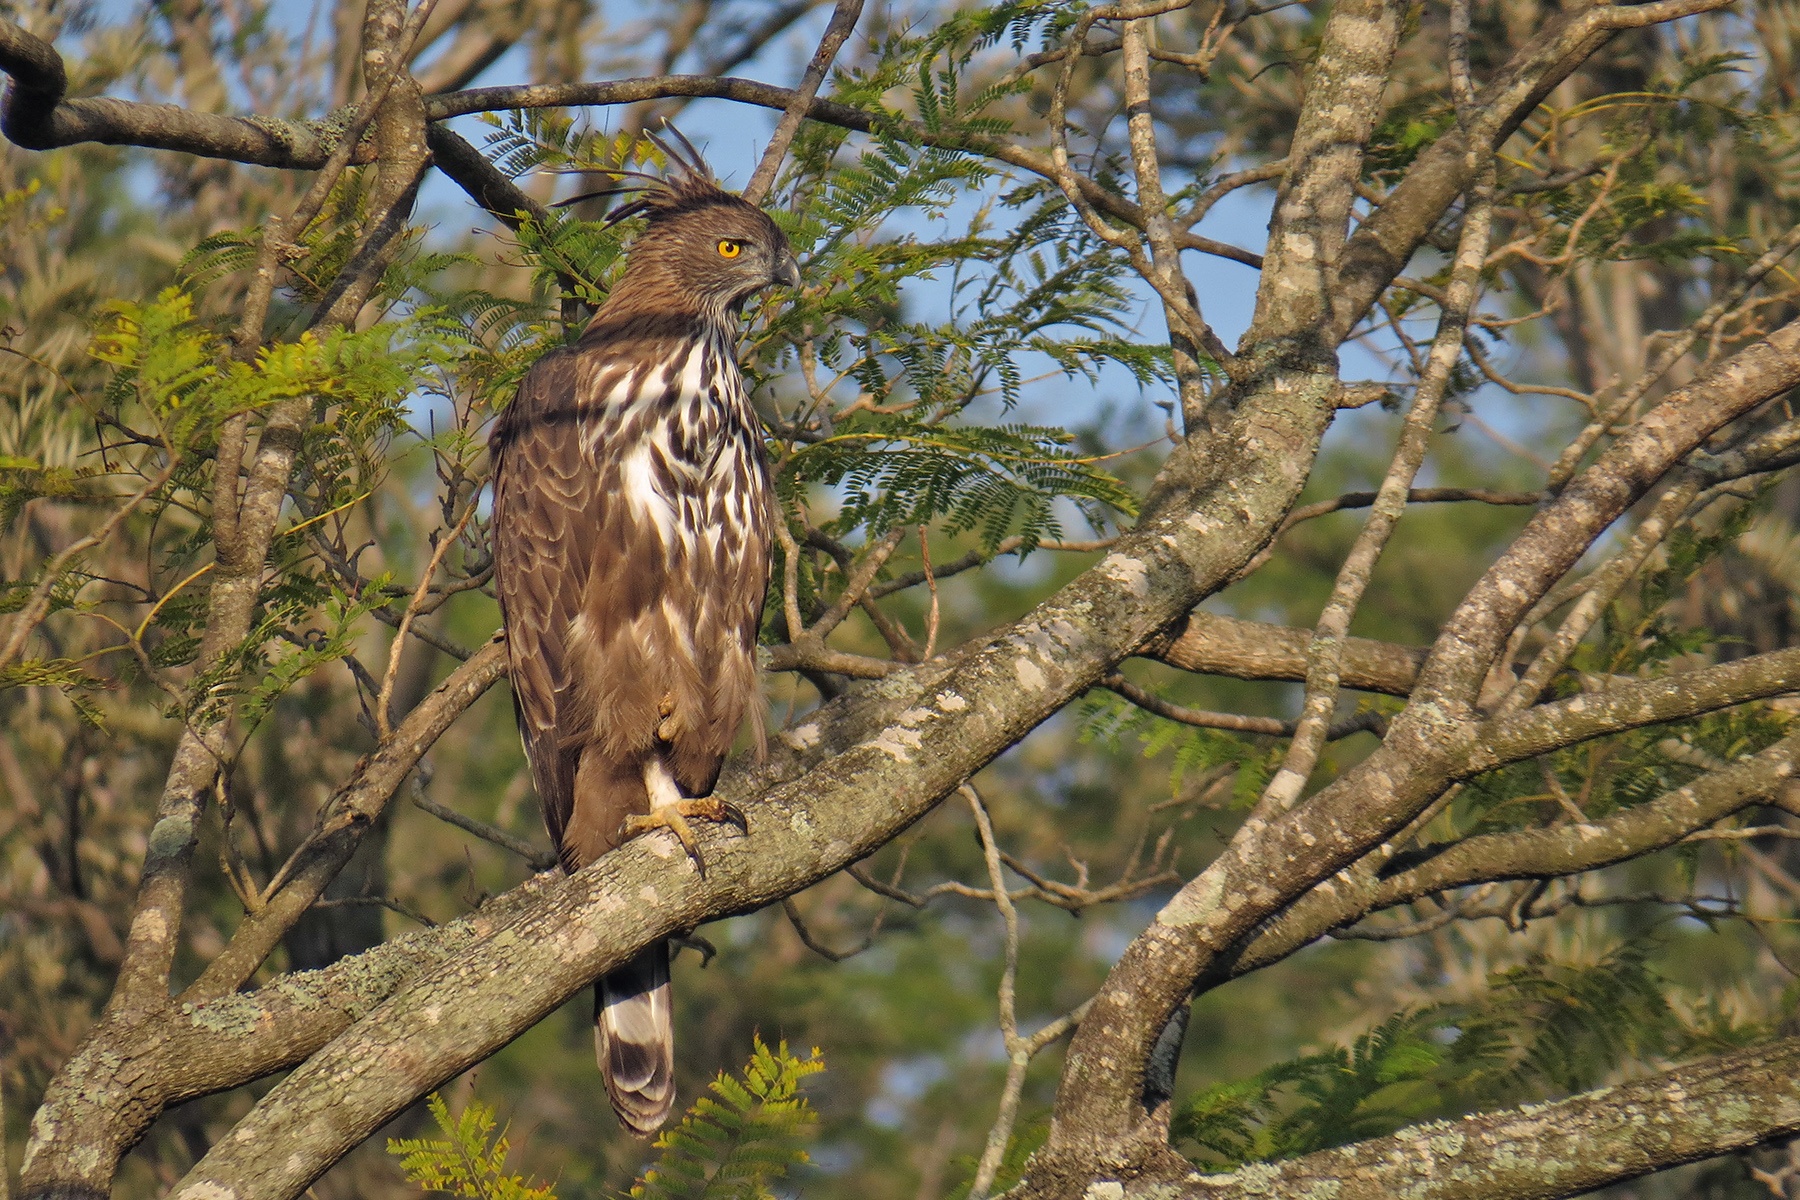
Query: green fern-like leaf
470	1160
1547	1027
738	1142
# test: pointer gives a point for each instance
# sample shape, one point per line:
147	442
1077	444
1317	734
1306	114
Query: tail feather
634	1040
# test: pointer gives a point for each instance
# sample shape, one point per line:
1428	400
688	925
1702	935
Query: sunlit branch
1324	654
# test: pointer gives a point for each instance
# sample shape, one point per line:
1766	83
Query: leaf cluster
739	1142
470	1160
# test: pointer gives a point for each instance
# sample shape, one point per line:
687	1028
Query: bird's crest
685	184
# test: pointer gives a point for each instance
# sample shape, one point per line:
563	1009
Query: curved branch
830	112
1268	865
470	170
35	113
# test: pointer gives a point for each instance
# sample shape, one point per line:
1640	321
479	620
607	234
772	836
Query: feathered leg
634	1040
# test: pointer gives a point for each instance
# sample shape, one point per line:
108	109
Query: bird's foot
699	945
674	818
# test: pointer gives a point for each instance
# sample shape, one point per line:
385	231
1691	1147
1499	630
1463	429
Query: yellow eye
729	248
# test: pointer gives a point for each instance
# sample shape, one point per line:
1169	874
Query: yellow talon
673	817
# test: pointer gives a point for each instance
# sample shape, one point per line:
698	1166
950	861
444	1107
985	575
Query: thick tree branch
1209	644
1541	1151
1633	705
470	170
35	113
1559	534
1268	865
212	1046
1099	1116
1312	205
853	777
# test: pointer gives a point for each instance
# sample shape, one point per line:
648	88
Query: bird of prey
632	515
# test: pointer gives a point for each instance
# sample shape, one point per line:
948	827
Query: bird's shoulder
546	396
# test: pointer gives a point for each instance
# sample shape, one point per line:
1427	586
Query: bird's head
703	242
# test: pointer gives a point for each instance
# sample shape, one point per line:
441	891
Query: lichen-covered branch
1268	865
1324	654
1632	705
1546	853
1099	1111
1538	1152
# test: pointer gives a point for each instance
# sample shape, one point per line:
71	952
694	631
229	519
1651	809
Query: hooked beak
787	272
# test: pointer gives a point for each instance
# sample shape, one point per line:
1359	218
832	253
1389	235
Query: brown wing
543	495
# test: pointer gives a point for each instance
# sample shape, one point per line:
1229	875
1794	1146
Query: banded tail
634	1040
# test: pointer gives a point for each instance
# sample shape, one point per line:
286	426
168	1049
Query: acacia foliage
736	1144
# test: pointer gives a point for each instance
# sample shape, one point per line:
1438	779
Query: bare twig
387	902
1187	330
843	21
977	558
37	604
1439	495
820	948
790	580
540	859
1367	721
1525	903
892	891
931	621
383	718
808	655
1325	654
1435	495
1744	834
855	587
1019	1050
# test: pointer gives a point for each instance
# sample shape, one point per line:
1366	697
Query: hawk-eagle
632	509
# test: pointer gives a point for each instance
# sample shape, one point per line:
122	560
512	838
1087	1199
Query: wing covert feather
542	495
